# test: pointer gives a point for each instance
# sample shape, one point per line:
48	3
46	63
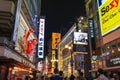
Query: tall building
18	37
105	23
73	52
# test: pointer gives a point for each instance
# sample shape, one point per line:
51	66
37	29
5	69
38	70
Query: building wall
104	43
111	36
7	13
28	15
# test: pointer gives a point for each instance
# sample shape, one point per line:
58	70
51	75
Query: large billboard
80	38
41	38
26	42
109	12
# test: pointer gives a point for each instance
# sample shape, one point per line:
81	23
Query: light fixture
66	46
82	18
113	51
119	49
69	48
80	21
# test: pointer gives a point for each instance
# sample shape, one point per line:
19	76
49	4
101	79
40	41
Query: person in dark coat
72	77
61	75
56	75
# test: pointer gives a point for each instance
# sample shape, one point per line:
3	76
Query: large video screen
80	38
109	12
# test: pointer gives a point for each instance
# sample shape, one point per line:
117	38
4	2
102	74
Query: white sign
80	38
41	39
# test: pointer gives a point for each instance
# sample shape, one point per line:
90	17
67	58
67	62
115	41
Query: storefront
13	64
111	53
71	52
109	60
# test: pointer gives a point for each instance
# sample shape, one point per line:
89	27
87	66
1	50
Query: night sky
60	15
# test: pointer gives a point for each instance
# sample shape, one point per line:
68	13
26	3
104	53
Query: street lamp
71	60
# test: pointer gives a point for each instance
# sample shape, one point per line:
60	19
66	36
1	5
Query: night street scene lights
71	60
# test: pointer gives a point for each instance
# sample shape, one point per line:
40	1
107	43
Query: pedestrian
27	78
116	76
82	76
110	75
61	75
72	77
56	75
101	75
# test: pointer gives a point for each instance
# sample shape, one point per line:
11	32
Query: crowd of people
58	75
101	75
107	75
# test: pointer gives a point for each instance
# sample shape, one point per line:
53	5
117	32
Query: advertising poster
20	37
26	42
80	38
113	60
109	12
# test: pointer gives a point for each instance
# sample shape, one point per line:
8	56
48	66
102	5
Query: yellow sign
53	55
109	16
56	38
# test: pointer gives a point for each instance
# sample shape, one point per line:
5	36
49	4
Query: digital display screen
80	38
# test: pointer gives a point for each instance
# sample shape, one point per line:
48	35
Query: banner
41	38
56	38
109	13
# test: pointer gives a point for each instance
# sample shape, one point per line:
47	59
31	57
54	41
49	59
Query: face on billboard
109	13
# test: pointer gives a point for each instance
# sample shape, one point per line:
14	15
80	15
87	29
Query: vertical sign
90	23
41	39
56	38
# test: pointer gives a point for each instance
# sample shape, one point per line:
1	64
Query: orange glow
21	69
56	38
118	49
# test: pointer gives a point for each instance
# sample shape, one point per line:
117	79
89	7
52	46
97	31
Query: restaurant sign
113	60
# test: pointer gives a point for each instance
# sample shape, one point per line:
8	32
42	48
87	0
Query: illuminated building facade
73	52
18	39
106	34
